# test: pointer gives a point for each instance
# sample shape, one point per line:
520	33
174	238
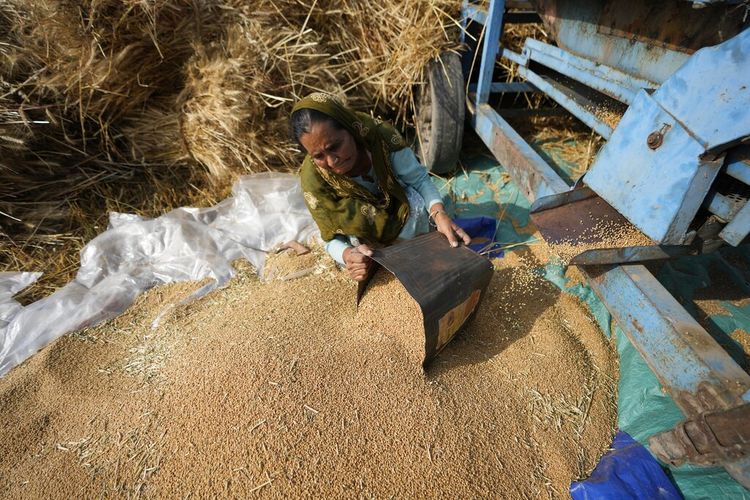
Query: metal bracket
711	438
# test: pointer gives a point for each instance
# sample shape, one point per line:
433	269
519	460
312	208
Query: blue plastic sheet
484	229
485	189
628	471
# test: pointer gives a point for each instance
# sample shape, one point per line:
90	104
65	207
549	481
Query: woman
363	186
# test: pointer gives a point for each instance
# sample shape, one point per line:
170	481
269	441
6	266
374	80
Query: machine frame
694	370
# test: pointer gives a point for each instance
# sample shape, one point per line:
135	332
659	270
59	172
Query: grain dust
281	389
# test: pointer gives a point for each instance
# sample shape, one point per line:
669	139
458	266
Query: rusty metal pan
577	216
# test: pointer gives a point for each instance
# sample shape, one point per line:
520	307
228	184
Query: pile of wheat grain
282	388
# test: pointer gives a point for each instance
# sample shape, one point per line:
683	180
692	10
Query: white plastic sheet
135	254
11	284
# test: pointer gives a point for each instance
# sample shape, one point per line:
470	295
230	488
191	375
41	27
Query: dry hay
282	389
564	135
78	73
143	106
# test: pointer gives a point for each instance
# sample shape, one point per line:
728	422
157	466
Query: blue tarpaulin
627	471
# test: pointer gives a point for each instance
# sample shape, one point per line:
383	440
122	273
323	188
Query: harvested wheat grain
282	389
604	234
609	114
287	265
387	311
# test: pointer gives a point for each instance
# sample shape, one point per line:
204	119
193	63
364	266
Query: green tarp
482	187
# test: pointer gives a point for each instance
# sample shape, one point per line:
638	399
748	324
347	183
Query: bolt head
654	140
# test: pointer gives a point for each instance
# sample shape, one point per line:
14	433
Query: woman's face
330	148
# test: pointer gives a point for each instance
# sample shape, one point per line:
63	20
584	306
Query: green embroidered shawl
337	203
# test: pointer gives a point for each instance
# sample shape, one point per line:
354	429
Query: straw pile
282	389
142	106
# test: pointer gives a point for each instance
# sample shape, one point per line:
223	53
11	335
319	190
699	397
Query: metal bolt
654	140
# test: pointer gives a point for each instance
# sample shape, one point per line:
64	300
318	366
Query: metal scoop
447	283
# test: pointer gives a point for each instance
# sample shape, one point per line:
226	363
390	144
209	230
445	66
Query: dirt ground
280	388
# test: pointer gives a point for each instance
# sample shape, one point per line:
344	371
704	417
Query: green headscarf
337	203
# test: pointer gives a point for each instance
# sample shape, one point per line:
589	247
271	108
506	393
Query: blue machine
676	167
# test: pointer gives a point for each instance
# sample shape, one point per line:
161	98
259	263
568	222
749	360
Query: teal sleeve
410	172
336	247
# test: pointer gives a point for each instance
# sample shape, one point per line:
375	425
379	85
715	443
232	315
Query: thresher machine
676	167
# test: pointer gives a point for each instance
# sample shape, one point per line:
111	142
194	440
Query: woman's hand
358	262
450	229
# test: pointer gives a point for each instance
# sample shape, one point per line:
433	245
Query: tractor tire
441	105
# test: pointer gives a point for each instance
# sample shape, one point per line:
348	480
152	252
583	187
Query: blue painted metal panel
528	169
517	58
475	12
607	80
464	20
492	33
506	87
710	94
577	32
578	110
678	350
723	207
738	164
658	190
736	231
691	366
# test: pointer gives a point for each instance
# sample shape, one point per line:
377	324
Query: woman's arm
336	248
444	224
356	259
411	173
